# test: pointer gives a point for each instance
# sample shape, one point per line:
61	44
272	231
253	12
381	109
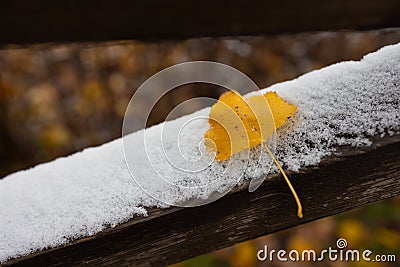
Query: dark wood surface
351	179
40	21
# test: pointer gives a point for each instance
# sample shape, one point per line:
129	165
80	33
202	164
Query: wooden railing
354	178
25	21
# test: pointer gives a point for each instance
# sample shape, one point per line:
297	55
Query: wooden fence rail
26	22
351	179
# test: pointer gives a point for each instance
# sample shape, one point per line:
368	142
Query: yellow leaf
237	123
281	110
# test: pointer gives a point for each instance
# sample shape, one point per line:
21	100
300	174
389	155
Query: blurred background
59	99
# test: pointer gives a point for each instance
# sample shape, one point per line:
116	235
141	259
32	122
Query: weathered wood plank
25	22
352	179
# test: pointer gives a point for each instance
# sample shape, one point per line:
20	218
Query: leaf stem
299	207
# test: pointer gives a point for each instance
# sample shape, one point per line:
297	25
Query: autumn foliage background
58	99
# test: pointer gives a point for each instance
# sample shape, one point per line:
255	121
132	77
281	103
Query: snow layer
80	195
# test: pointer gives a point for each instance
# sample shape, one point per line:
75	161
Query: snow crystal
79	195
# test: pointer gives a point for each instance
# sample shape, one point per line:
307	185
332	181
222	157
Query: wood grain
351	179
41	21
